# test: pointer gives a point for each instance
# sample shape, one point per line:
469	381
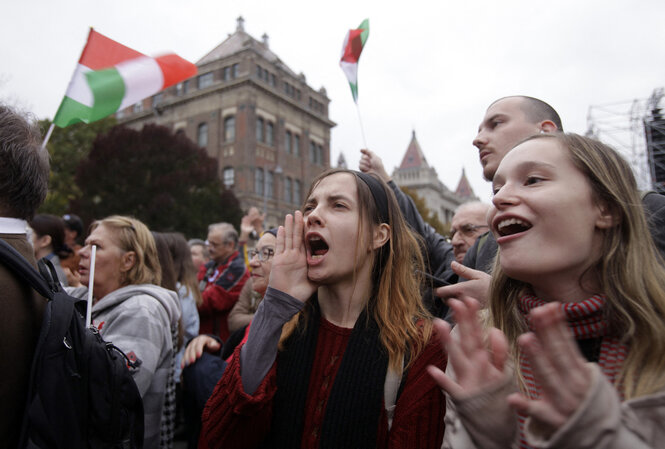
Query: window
312	152
157	99
258	181
229	177
269	133
186	86
227	73
270	193
202	135
138	107
319	155
296	192
259	72
205	80
296	145
179	90
287	190
273	80
230	129
259	129
287	142
234	71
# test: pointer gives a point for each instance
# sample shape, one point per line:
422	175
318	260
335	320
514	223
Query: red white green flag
110	77
353	45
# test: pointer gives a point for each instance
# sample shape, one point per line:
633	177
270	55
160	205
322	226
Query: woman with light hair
574	351
131	310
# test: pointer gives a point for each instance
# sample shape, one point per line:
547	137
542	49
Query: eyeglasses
467	230
215	244
264	254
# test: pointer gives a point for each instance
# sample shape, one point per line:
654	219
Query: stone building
415	173
267	129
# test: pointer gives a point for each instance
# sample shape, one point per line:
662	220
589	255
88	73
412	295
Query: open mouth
317	246
512	226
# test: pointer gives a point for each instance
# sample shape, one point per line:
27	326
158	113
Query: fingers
288	232
499	348
466	272
280	242
444	382
298	236
542	411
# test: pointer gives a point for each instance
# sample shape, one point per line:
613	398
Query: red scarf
586	320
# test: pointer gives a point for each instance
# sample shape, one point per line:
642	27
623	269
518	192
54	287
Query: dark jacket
436	250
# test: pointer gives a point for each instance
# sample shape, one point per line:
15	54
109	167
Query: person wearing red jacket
221	279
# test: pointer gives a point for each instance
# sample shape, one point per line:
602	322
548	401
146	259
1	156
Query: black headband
378	193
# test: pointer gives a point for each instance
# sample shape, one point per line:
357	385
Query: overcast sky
428	66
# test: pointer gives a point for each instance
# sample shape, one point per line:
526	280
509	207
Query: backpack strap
17	263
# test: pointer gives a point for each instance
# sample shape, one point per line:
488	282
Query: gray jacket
139	320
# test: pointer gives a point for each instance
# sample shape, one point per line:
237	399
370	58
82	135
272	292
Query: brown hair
396	301
629	271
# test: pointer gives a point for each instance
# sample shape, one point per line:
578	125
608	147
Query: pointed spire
241	24
414	156
464	189
341	161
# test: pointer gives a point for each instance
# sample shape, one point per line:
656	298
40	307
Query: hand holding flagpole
353	46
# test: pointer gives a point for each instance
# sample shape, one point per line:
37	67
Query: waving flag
110	77
353	46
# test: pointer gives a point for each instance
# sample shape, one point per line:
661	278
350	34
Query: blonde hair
396	301
629	271
131	234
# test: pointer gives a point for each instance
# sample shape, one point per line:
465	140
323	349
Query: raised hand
371	163
478	362
289	266
557	365
477	286
195	349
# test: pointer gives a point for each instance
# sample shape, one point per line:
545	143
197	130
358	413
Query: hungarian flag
110	77
353	45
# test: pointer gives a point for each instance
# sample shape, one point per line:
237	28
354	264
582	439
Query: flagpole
362	128
48	135
91	282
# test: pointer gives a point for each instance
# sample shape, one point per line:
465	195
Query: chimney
266	40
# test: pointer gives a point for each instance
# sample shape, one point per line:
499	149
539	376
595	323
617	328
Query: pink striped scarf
586	320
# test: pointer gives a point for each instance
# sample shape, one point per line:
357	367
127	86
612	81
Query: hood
167	298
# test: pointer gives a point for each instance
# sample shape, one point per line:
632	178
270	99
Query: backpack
81	393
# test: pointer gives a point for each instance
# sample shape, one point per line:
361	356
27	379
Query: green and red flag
353	45
110	77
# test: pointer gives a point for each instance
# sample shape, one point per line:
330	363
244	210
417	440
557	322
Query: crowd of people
538	322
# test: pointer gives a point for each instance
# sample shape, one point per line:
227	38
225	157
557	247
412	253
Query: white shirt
13	226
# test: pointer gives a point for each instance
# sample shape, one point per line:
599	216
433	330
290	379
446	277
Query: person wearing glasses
222	279
469	223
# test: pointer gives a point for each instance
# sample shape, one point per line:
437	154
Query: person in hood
130	310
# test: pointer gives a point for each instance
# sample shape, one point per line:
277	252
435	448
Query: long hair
53	226
169	278
131	234
396	301
629	271
184	267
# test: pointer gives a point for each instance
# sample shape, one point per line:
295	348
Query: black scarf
356	400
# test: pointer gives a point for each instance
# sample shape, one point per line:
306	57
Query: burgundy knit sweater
233	419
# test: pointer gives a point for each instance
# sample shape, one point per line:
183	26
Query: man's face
503	127
466	227
219	248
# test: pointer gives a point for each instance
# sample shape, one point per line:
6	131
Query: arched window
229	177
202	135
269	133
230	129
287	142
258	181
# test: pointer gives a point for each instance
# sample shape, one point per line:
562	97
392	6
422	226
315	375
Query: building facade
416	174
267	129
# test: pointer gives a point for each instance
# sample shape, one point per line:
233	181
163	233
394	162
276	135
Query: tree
67	147
431	218
164	180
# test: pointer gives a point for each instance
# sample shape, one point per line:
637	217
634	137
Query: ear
607	218
44	241
381	236
127	261
548	126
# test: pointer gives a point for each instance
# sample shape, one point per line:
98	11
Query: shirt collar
12	226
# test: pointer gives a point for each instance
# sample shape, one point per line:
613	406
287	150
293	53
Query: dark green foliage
164	180
431	218
67	147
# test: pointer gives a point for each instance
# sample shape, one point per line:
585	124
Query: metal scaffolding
627	126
